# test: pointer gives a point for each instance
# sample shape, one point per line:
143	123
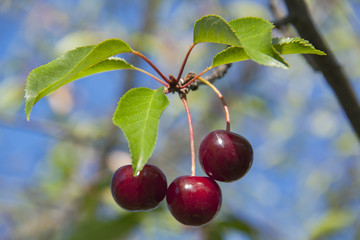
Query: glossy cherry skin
194	200
142	192
225	156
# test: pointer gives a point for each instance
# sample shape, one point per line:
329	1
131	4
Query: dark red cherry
194	200
142	192
225	156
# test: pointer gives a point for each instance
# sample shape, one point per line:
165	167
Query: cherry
225	156
141	192
194	200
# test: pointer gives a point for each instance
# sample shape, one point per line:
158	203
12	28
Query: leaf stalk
184	62
152	65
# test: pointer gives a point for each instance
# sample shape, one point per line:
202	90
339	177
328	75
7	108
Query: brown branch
215	74
328	65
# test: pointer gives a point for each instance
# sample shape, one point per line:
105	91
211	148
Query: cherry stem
184	62
191	129
196	77
156	78
152	65
226	109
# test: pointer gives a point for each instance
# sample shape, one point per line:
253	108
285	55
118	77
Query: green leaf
255	35
213	28
73	65
138	114
229	55
294	45
110	64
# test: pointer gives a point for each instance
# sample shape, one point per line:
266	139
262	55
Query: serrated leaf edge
282	64
304	42
138	167
103	42
36	99
227	23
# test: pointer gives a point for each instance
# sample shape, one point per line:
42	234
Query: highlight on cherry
223	155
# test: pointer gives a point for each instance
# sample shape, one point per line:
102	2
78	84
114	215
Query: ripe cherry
143	192
194	200
225	156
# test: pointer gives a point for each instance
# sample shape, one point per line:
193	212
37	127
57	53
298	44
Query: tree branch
215	74
328	65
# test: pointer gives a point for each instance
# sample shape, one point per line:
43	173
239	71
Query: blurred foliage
55	170
217	230
333	221
93	229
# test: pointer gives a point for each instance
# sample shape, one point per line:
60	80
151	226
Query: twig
215	74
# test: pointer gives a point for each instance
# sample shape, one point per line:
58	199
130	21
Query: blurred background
55	170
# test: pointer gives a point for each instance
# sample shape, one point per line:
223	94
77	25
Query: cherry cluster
192	200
